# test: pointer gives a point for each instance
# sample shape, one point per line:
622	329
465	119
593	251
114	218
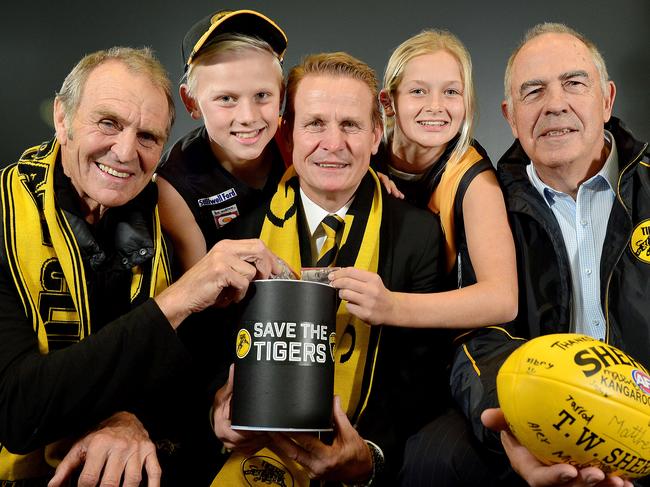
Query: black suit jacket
410	379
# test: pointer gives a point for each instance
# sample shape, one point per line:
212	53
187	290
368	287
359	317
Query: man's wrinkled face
333	137
558	106
111	145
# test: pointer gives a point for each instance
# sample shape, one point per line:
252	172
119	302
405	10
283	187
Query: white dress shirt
314	215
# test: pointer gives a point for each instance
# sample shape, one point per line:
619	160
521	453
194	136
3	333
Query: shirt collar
608	173
314	214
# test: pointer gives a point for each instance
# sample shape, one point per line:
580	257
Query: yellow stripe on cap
220	17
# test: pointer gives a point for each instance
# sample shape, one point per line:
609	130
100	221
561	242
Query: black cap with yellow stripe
247	22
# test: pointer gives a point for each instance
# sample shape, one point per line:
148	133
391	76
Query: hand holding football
573	399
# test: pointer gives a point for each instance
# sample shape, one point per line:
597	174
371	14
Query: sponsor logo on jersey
217	198
223	216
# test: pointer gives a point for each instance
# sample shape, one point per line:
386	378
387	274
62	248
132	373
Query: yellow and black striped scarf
38	239
357	342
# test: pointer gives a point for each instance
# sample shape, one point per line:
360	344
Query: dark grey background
41	41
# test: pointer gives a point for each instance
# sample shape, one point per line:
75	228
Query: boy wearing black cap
233	82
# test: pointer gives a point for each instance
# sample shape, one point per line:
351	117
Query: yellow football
573	399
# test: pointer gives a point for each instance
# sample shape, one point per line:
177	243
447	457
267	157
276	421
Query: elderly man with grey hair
90	363
577	189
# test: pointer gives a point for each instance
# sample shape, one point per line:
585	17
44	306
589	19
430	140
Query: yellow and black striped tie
331	224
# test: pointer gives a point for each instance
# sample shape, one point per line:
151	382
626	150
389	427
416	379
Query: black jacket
545	277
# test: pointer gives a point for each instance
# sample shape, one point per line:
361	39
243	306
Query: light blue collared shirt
583	223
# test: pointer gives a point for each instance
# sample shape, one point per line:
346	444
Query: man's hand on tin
347	459
220	278
246	442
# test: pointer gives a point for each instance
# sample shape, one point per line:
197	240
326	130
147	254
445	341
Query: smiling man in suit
333	126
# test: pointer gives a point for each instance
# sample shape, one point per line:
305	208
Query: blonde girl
429	154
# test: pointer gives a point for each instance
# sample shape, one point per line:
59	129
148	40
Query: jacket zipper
609	277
